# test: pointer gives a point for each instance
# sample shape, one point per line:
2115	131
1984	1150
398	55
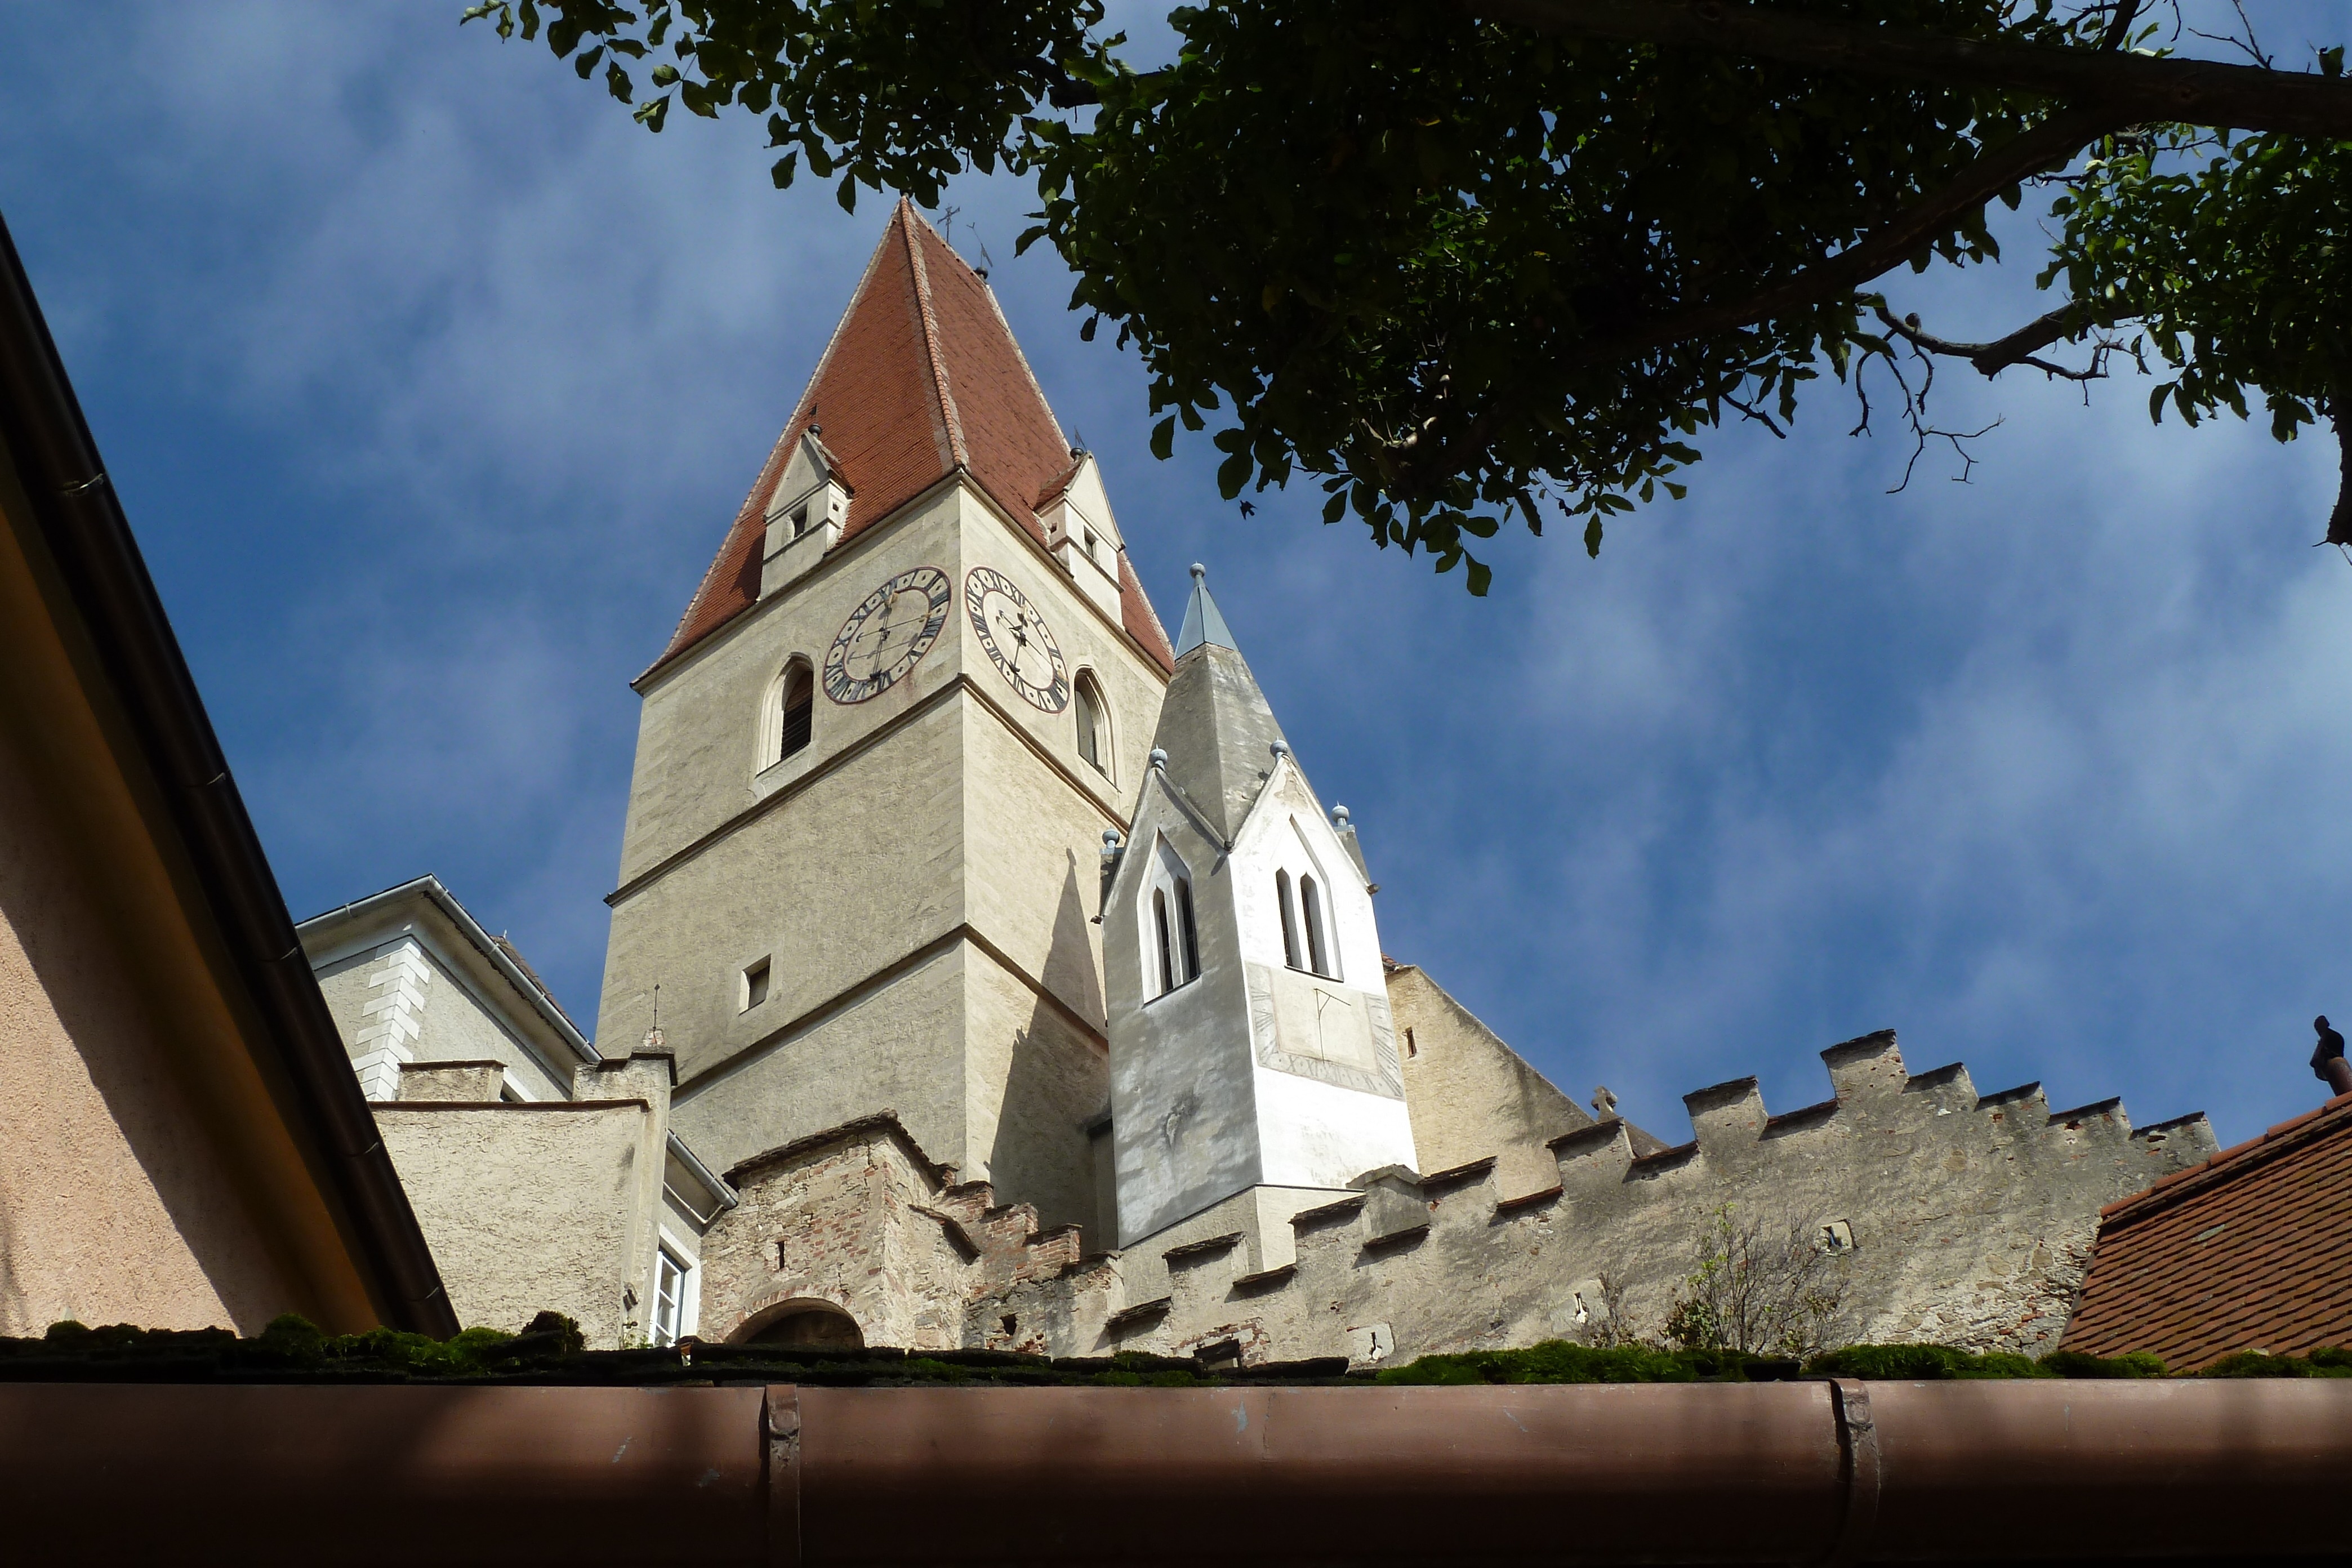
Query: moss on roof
550	1351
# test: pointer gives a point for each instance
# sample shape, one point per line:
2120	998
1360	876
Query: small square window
755	986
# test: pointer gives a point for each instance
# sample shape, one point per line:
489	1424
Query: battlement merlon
1868	1080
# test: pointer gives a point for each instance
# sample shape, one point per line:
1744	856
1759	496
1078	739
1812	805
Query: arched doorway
804	1323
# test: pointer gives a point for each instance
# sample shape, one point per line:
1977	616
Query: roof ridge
951	420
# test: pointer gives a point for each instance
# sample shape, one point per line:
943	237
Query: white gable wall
1329	1092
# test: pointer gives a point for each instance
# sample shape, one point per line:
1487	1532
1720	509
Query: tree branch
2019	347
1415	464
2339	523
2132	87
2054	141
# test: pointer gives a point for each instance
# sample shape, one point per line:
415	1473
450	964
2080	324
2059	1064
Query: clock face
883	637
1016	638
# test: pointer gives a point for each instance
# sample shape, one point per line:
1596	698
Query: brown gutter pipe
1765	1473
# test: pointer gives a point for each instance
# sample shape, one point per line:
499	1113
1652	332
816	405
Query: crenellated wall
1965	1219
1969	1218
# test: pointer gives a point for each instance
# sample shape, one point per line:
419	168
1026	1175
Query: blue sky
431	382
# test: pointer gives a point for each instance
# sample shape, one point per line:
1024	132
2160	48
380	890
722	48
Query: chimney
2328	1063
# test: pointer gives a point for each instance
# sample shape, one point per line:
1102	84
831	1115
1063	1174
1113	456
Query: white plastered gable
1286	830
805	515
1084	536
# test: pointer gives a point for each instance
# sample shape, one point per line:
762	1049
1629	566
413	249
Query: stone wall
1959	1219
1471	1095
860	1217
530	1207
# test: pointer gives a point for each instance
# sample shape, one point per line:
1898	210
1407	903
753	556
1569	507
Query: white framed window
787	712
673	1289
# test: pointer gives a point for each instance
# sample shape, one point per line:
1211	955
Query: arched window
1175	955
1289	919
800	707
1190	932
790	709
1161	939
1310	908
1094	728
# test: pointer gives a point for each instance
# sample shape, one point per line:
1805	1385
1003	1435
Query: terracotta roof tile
923	377
2250	1249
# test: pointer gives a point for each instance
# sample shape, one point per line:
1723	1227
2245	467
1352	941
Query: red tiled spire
923	377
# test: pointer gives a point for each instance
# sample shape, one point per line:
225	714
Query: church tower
1251	1052
876	761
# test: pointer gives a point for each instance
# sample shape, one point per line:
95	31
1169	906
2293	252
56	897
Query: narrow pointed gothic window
1192	935
1094	737
1289	919
1310	907
1167	949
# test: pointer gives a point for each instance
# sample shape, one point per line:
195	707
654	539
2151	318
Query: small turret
1251	1044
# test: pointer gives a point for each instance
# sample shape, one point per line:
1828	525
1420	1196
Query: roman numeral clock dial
1016	638
887	635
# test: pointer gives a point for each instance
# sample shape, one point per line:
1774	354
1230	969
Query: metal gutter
472	930
88	540
727	1195
1978	1472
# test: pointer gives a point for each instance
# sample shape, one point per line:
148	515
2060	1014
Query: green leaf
848	194
1482	577
1163	438
1232	474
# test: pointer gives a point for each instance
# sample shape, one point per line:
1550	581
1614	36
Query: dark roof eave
83	528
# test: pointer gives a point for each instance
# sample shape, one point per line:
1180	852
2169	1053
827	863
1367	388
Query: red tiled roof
2250	1250
922	378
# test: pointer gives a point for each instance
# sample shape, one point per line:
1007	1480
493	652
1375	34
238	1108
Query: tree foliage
1461	263
2235	257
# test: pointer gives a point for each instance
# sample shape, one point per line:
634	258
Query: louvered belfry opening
800	708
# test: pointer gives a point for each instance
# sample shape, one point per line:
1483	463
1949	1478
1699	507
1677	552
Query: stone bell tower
877	759
1252	1050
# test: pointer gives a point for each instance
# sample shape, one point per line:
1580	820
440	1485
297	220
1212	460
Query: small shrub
2074	1363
